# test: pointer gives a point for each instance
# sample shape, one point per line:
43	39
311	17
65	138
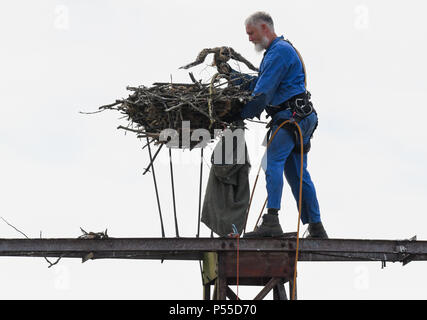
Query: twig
15	228
50	263
139	131
92	112
111	105
53	263
47	260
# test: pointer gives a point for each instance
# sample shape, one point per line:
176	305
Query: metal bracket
406	257
401	249
383	262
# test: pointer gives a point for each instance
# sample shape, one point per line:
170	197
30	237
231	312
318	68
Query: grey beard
262	45
259	47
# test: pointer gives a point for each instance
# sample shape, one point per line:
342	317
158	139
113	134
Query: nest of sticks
150	110
210	106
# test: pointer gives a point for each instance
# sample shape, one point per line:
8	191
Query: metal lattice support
269	270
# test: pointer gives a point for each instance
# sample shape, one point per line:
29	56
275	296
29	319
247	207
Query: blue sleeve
274	68
247	82
254	107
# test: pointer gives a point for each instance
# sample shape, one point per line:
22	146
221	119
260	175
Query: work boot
270	227
317	231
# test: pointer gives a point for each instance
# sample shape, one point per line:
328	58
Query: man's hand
254	107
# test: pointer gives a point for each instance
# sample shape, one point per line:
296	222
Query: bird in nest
221	56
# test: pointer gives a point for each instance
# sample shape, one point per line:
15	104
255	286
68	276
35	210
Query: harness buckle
296	103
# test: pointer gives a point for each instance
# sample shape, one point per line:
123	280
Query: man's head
260	29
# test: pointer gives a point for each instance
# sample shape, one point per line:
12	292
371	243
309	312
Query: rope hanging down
299	200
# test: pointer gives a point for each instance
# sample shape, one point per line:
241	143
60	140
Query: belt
295	102
300	105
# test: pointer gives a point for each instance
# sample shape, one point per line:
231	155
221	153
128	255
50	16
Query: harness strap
302	62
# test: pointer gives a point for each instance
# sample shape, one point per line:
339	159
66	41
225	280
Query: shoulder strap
302	62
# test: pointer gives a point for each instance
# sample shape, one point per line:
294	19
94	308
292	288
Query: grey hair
259	17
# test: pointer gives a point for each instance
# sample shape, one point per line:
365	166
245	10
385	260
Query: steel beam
193	248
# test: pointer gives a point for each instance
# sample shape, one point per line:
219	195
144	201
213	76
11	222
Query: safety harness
300	106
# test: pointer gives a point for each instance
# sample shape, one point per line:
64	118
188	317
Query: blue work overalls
281	77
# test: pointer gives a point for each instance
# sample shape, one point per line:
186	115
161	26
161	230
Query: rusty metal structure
262	262
224	261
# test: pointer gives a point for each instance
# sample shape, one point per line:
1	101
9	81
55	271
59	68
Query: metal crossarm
193	248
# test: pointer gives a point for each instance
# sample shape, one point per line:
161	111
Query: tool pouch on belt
301	107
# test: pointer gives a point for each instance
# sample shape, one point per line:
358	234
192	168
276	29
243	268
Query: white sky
62	170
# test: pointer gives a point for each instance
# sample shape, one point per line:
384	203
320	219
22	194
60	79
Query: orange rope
237	236
256	180
299	212
300	195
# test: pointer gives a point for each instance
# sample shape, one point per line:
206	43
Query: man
280	90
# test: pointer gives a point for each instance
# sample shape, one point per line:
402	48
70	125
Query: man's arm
275	67
245	81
